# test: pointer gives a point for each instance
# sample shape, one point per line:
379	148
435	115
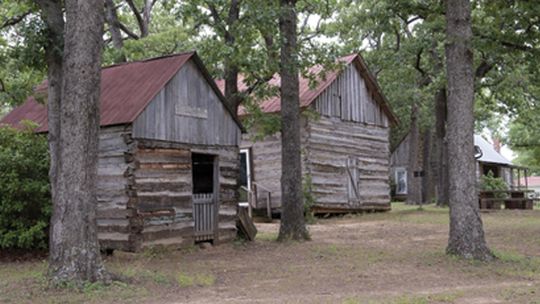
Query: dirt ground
394	257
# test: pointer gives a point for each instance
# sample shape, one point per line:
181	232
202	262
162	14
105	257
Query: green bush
491	183
25	202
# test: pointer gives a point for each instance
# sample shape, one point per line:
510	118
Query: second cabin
345	145
168	154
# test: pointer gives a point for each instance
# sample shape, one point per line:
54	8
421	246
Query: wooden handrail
258	186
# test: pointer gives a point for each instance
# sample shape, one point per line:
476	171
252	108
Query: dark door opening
205	196
203	173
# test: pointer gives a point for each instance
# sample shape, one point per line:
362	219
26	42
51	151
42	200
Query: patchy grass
266	236
203	280
394	257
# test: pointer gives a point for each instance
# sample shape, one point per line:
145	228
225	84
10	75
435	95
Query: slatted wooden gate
204	216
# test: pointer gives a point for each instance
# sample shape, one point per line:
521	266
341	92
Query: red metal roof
308	95
126	90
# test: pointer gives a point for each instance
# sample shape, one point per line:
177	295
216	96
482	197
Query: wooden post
519	179
250	199
268	205
526	181
255	196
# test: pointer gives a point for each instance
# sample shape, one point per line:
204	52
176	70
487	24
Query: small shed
345	143
168	154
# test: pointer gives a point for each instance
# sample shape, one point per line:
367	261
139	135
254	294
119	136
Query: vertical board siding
332	144
349	99
187	110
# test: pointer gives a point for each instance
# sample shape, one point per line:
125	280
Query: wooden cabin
168	154
345	145
489	160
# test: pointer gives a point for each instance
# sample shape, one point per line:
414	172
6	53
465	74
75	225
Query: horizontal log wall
115	212
164	188
266	162
330	143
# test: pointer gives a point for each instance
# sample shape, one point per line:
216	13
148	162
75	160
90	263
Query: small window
401	181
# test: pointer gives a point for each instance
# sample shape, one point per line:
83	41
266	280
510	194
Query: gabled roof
489	155
308	95
126	90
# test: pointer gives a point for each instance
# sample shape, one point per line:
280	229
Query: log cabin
168	154
345	144
489	159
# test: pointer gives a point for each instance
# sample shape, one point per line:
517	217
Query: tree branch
14	20
138	16
127	31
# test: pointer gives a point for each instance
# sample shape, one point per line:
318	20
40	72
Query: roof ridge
147	59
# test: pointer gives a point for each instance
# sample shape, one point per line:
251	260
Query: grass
200	279
394	257
266	236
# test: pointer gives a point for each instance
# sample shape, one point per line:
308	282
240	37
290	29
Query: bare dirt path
396	257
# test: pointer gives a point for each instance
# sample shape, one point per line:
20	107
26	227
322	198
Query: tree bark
292	208
52	15
231	68
428	181
414	180
74	252
440	161
466	237
114	29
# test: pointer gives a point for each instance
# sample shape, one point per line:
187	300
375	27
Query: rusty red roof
126	90
307	94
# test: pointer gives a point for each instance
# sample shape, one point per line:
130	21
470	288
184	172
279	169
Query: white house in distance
490	160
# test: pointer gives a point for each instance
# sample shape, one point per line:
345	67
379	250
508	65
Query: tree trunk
414	181
428	181
440	162
74	252
116	35
231	68
292	207
466	237
51	13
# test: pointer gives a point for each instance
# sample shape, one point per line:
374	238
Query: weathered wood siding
266	162
189	111
349	99
163	179
115	213
400	156
332	144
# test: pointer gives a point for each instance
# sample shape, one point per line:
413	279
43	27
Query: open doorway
203	173
205	195
245	174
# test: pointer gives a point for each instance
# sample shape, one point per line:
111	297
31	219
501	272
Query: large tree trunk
74	252
231	67
440	147
292	207
52	15
466	237
414	180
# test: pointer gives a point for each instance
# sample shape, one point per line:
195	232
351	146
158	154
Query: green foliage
25	203
491	183
309	199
